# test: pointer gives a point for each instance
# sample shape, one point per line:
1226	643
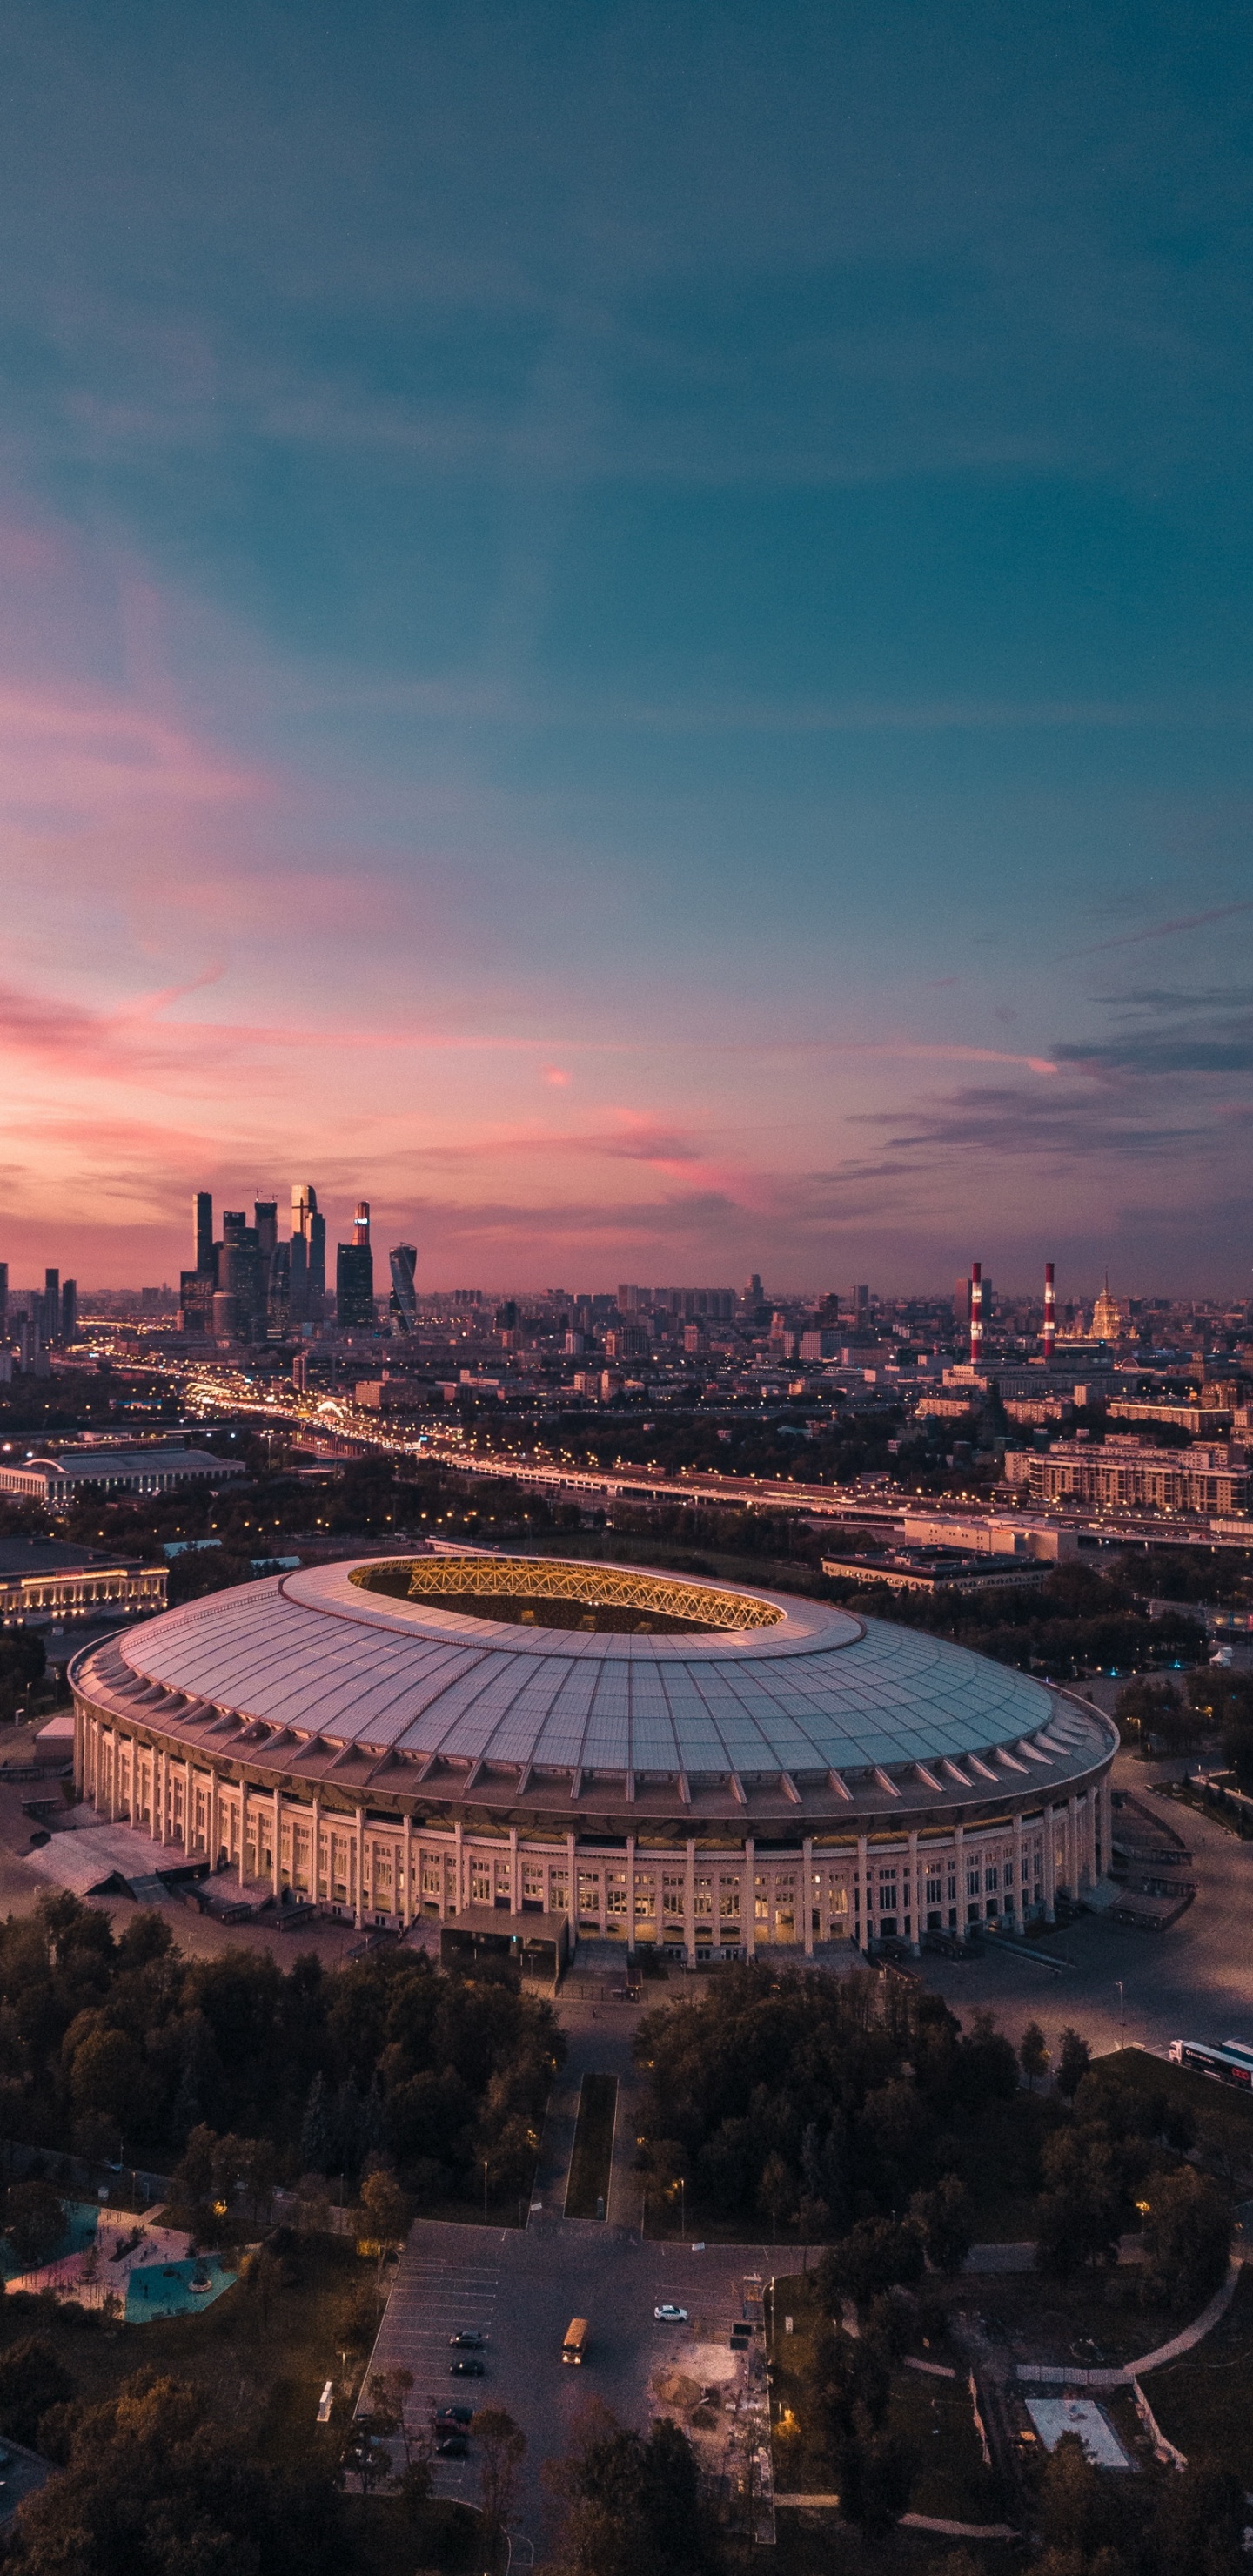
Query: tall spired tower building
308	1254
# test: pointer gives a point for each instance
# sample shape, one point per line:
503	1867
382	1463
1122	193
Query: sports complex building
654	1759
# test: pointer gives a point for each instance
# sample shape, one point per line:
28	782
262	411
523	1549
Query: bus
1217	2062
575	2344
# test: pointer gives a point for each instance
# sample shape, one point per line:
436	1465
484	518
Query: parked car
451	2444
668	2315
466	2366
469	2340
456	2416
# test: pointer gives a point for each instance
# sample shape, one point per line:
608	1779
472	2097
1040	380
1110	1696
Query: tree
1080	2214
502	2450
1077	2512
1198	2524
776	2192
1187	2237
365	2455
32	2379
263	2279
631	2505
945	2217
390	2391
315	2132
875	2473
386	2213
1074	2059
874	2256
1033	2055
34	2222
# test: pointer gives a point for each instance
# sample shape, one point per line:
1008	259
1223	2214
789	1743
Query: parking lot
438	2294
522	2288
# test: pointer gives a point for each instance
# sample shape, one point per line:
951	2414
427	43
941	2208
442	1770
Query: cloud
1176	928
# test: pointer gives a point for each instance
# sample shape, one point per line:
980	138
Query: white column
406	1911
276	1856
360	1856
243	1830
630	1896
515	1873
215	1830
165	1796
78	1745
689	1902
459	1881
863	1880
156	1820
915	1913
750	1897
1017	1869
1050	1865
959	1856
572	1894
1072	1848
807	1867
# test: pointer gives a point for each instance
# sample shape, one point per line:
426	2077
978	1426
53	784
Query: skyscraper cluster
251	1284
38	1320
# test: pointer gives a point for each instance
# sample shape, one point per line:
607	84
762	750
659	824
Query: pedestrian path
1055	2374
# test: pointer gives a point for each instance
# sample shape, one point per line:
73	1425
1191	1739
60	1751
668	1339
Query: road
1195	1981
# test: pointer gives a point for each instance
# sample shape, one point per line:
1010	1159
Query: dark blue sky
630	629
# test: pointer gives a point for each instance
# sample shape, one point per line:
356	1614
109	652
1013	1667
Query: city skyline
611	674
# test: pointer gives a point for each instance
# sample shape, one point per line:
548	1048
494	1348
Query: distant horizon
772	1292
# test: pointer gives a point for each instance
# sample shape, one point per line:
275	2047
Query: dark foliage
101	2036
632	2505
153	2486
790	2093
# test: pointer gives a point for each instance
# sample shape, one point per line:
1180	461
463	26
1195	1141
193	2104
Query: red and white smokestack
1050	1314
976	1313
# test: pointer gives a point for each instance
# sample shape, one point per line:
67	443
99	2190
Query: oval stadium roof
814	1700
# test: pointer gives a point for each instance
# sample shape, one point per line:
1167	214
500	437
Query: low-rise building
1200	1421
45	1578
1124	1473
57	1482
935	1569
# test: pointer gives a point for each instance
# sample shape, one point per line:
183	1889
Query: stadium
658	1761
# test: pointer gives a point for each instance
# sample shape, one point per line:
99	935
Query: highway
352	1433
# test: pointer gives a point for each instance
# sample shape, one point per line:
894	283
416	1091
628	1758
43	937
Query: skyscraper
52	1309
4	1297
242	1277
69	1310
308	1254
354	1276
202	1232
403	1308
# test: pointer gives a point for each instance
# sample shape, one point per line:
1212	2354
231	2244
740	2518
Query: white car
669	2315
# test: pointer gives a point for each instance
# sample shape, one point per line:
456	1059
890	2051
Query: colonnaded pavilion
660	1761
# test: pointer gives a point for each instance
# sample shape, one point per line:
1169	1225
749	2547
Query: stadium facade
662	1761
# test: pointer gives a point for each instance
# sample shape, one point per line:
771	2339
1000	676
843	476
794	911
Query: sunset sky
628	630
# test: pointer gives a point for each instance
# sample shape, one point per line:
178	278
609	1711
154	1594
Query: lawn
593	2147
1204	2403
1224	2118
